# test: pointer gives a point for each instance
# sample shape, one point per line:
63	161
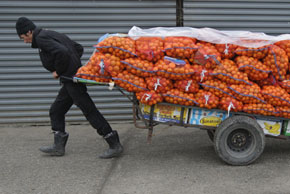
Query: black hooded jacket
57	52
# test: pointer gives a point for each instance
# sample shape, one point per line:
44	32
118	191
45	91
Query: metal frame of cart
238	140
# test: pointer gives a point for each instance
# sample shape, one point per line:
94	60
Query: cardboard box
207	117
286	128
165	113
271	127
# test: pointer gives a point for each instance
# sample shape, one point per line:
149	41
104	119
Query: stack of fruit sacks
187	71
99	66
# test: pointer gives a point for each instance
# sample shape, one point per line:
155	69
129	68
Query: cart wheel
210	133
239	140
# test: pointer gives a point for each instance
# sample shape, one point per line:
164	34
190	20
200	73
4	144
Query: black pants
76	93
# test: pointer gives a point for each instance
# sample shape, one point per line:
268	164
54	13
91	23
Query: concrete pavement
179	160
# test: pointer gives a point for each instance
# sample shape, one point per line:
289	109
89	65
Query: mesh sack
217	87
285	45
258	53
159	84
277	61
261	109
207	55
206	99
254	68
150	48
229	73
174	69
227	51
247	94
230	104
149	97
95	68
283	112
122	47
139	67
201	74
188	85
176	96
180	47
130	82
276	96
285	85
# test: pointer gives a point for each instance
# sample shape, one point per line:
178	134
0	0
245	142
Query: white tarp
241	38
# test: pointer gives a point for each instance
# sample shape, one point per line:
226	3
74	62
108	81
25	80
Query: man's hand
54	74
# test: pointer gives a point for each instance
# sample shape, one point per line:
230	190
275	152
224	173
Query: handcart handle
85	81
66	78
81	80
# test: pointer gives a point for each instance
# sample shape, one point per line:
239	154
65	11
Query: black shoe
58	148
115	147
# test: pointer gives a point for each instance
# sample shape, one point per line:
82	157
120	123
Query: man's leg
78	92
59	108
57	112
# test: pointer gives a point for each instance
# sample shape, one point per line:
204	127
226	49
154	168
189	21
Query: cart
238	137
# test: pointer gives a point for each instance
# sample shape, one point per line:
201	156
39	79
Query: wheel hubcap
239	140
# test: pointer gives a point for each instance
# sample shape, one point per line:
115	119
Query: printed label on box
271	127
165	113
207	117
286	128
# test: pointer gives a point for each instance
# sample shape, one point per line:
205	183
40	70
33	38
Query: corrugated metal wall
268	16
27	90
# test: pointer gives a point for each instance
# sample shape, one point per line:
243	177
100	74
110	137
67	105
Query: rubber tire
245	157
210	134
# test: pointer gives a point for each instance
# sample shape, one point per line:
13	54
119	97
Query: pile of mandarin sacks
186	71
